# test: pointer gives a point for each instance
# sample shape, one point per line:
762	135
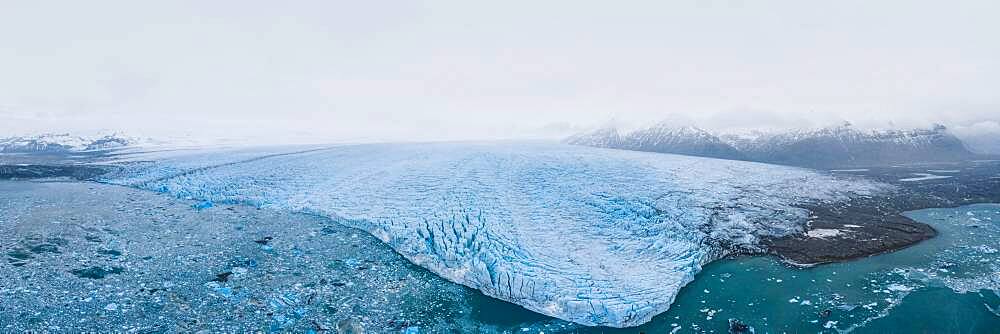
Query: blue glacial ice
593	236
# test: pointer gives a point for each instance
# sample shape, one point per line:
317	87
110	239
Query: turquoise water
948	284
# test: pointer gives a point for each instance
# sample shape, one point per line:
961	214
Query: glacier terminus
589	235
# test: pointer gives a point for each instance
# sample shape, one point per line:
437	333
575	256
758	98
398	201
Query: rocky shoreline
840	235
871	226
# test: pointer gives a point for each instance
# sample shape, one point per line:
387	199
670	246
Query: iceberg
589	235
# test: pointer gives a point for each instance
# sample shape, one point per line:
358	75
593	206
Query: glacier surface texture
589	235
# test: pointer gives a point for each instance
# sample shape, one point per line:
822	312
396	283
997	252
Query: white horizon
451	70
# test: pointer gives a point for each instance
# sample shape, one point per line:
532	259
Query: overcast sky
484	69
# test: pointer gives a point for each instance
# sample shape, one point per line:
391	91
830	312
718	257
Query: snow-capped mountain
62	143
663	138
836	146
688	140
606	137
845	145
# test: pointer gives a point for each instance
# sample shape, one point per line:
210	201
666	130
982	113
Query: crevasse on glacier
593	236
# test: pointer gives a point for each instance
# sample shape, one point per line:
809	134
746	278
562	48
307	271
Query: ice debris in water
593	236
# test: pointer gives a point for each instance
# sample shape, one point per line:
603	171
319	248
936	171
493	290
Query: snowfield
589	235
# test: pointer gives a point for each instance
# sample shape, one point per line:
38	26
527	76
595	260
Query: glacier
595	236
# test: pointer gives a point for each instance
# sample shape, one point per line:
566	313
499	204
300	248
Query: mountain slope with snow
838	146
845	145
662	138
62	143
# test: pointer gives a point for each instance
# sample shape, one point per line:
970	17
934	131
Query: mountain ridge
63	143
842	145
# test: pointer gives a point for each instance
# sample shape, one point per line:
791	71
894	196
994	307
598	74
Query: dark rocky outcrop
869	226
